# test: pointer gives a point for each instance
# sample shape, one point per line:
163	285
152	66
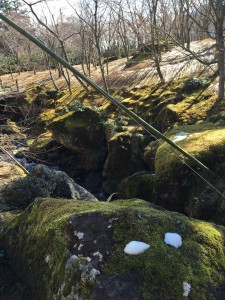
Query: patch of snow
173	239
70	262
135	247
186	288
180	136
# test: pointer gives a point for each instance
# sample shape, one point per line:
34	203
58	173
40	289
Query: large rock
75	250
126	156
179	188
65	187
43	182
81	131
139	185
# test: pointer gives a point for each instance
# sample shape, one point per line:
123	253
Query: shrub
52	93
76	105
192	84
20	193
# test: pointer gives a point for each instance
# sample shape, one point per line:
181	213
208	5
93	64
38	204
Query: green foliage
52	93
76	105
192	84
20	193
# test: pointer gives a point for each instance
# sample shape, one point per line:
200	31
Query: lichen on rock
100	269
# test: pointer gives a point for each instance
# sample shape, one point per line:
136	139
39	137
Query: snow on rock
135	247
180	136
186	288
173	239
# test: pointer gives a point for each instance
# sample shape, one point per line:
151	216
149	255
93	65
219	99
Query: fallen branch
16	162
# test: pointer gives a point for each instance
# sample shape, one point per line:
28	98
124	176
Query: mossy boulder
149	154
75	250
177	187
138	185
81	131
126	156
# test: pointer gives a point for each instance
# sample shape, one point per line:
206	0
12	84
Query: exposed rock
75	250
139	185
121	287
43	182
65	187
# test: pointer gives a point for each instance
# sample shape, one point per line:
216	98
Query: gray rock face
92	237
65	187
120	287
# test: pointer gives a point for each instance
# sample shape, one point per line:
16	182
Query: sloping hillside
175	64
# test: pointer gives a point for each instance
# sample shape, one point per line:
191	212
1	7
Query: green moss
41	231
177	187
42	141
202	141
138	185
164	268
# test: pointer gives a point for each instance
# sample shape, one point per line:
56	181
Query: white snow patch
173	239
135	247
180	136
186	288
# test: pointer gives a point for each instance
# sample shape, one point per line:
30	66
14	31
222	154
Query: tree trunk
221	70
220	46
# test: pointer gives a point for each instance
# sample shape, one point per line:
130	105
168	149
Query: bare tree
62	37
94	14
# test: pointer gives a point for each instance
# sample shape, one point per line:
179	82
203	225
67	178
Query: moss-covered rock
177	187
75	250
139	185
149	154
126	152
81	131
